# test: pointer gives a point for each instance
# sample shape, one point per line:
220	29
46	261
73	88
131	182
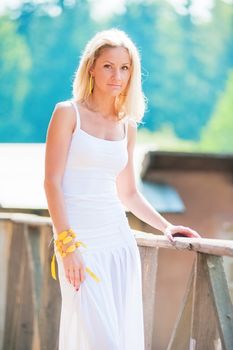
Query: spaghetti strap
126	126
78	122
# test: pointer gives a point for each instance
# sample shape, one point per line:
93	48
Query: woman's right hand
74	268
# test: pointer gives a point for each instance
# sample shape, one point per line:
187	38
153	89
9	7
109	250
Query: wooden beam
221	299
204	326
30	219
149	260
19	313
5	251
203	245
50	296
180	338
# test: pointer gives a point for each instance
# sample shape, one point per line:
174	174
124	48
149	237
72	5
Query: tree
15	63
56	44
217	135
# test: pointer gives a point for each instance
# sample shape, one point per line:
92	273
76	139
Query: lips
115	85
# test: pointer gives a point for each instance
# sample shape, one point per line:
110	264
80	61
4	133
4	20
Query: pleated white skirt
105	315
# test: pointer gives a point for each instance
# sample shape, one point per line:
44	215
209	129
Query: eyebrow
113	63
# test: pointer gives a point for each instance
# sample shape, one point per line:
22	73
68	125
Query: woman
89	176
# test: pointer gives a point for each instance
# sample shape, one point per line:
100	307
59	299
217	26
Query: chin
115	93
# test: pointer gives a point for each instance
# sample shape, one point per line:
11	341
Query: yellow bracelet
71	248
64	238
63	234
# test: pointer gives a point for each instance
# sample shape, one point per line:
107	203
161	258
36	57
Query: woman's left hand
184	231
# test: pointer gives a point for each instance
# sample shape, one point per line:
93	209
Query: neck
105	105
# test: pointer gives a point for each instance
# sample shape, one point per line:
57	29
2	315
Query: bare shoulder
132	123
63	107
132	130
64	113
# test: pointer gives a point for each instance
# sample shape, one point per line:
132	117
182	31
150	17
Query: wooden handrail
202	245
206	308
221	247
28	219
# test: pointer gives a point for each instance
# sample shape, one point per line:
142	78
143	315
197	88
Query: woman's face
111	71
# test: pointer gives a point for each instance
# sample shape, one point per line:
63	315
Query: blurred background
184	150
186	49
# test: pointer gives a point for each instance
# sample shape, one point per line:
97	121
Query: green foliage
165	139
15	64
185	64
56	43
217	136
183	61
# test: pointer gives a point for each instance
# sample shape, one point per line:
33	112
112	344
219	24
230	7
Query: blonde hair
132	103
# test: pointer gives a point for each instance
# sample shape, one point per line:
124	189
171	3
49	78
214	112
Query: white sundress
104	315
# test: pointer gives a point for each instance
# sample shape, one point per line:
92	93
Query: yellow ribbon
88	270
53	267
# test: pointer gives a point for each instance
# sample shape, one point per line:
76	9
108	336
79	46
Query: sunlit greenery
218	134
186	65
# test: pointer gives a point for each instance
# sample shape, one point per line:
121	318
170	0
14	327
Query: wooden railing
205	321
30	298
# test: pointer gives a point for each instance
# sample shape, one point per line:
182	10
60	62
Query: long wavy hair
131	102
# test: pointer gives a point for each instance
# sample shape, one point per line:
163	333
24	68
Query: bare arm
61	127
136	202
58	140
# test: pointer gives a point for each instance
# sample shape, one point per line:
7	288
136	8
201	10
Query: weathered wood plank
26	322
37	328
5	245
30	219
180	338
203	245
19	316
204	325
149	259
13	279
34	269
221	300
208	246
50	302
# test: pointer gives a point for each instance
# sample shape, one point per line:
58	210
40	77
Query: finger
82	275
195	234
72	277
68	275
170	237
76	278
187	231
177	229
190	232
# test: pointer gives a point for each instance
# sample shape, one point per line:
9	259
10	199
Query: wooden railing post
31	315
5	240
204	327
149	259
206	318
180	339
212	307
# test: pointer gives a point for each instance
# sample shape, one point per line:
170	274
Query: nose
117	74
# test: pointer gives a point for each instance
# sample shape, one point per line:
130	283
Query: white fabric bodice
89	181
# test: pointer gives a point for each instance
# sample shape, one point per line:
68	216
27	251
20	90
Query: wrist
166	226
66	244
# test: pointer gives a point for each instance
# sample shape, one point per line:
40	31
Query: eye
125	68
108	66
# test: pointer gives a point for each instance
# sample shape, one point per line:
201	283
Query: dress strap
126	123
78	122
